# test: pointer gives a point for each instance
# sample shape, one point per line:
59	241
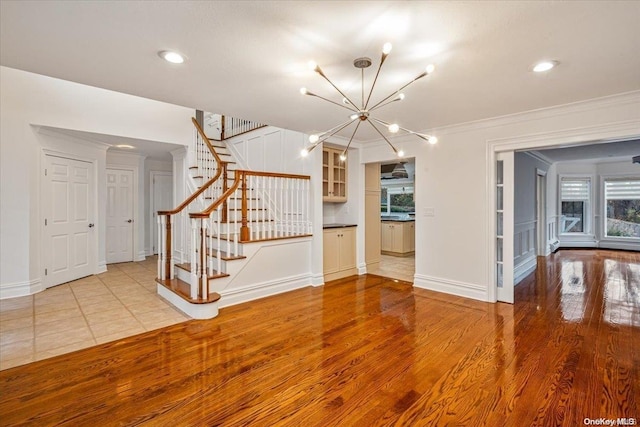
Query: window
397	201
575	197
622	205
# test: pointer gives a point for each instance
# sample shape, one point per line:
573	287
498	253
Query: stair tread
183	290
224	255
266	239
187	267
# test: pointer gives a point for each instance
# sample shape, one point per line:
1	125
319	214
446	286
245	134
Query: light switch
429	212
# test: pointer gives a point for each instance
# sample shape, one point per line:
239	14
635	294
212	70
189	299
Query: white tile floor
119	303
401	268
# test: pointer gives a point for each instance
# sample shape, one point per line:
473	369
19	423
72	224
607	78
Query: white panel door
119	215
69	236
162	193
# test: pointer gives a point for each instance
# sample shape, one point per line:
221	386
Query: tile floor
401	268
119	303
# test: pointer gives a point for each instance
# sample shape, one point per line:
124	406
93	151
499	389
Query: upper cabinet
334	176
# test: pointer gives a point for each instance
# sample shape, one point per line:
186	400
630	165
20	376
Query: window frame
603	207
587	229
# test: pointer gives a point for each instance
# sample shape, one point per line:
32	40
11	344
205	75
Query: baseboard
362	269
553	246
20	289
523	269
101	267
317	279
233	296
142	255
195	311
453	287
627	246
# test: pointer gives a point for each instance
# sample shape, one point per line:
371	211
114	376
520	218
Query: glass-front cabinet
334	176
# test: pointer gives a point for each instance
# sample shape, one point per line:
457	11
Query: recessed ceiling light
125	146
173	57
543	66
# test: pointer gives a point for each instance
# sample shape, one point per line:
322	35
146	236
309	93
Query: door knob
129	220
90	225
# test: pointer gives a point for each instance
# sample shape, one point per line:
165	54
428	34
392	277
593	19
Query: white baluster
194	258
160	249
218	228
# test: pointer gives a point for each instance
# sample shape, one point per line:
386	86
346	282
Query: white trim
195	311
255	291
153	225
102	267
317	280
525	268
540	157
454	287
20	289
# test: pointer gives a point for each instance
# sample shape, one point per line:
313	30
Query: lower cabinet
339	253
398	238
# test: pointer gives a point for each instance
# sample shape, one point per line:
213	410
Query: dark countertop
337	225
386	219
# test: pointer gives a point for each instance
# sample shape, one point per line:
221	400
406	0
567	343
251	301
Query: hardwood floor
366	351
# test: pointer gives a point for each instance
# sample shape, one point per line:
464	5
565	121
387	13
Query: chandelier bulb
401	96
313	138
430	68
394	128
303	91
343	157
312	65
432	140
400	153
345	101
354	116
386	48
304	152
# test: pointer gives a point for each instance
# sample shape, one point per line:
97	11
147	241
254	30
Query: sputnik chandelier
364	112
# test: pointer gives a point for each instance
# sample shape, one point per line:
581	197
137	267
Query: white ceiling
603	151
248	58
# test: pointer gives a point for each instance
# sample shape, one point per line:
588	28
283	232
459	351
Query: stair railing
245	213
210	166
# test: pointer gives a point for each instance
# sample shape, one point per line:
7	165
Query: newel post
225	187
244	229
168	249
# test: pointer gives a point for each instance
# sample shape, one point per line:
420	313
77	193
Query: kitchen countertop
338	225
391	219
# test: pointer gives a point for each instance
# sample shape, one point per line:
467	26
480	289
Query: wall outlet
429	212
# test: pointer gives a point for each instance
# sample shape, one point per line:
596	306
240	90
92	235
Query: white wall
29	100
454	246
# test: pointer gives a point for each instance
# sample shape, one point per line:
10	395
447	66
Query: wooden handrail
206	139
205	213
222	167
274	174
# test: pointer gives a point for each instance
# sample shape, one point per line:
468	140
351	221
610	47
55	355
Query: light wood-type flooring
366	351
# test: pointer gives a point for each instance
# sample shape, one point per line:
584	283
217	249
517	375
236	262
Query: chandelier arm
397	91
352	135
333	102
337	129
383	105
384	56
319	71
419	135
383	137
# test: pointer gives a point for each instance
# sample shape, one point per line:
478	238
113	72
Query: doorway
119	215
541	212
68	202
161	200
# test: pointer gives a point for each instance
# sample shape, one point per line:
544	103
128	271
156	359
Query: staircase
231	211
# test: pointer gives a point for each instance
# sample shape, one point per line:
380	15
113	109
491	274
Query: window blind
574	189
622	189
